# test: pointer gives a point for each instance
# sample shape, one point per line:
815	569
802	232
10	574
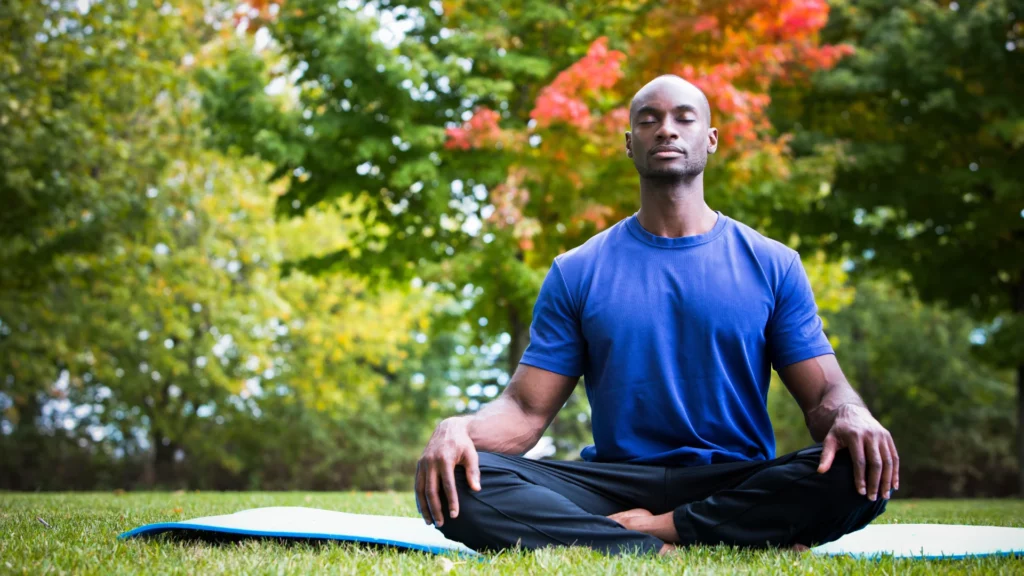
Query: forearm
503	426
836	397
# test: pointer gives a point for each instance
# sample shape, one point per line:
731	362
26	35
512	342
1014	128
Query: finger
874	466
471	461
433	497
828	453
857	455
421	500
895	464
448	479
885	484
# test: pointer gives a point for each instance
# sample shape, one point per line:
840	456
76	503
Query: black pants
777	503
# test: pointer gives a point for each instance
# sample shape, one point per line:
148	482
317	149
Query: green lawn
81	538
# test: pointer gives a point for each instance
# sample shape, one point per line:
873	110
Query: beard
687	169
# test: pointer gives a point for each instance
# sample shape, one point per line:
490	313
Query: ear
629	144
712	140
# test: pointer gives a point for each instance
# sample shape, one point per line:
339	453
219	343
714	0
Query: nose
668	130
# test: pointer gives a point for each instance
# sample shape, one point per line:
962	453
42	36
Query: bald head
675	84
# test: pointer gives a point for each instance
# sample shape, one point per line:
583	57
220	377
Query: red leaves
734	51
480	130
705	23
753	43
790	19
563	99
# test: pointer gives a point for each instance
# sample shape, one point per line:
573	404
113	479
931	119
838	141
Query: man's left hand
876	465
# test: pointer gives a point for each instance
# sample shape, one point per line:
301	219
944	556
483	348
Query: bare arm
511	424
837	416
821	389
515	421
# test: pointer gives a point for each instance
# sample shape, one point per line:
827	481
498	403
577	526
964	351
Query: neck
675	208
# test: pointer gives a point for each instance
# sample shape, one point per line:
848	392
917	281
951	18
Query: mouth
666	152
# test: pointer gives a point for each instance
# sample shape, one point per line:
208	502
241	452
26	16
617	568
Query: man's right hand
448	447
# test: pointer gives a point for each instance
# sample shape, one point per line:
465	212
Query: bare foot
666	549
623	517
799	548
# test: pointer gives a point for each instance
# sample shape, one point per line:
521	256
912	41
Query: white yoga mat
927	541
898	540
298	522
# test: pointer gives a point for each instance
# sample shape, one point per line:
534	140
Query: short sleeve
556	340
795	330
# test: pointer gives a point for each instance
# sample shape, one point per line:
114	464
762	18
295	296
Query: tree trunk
1017	299
1020	427
160	468
518	330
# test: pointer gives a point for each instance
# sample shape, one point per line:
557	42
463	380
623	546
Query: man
675	316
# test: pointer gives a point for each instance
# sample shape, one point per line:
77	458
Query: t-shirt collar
633	224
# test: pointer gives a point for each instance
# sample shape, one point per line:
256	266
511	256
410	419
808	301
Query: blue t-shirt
676	338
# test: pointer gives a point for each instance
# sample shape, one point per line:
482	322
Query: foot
623	517
799	548
640	520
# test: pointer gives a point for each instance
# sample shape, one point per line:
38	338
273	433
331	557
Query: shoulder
768	251
578	260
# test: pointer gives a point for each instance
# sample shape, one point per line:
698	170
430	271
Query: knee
473	525
844	495
466	527
841	508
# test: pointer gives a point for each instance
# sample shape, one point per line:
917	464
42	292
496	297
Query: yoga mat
927	541
298	522
898	540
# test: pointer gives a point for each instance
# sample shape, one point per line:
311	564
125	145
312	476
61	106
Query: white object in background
298	522
927	541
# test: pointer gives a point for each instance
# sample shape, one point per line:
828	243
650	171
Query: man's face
671	137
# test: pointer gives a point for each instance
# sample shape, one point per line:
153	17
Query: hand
876	465
449	446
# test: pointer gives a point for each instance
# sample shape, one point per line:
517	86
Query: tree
929	117
529	100
79	84
159	345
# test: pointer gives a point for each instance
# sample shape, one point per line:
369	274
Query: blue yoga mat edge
160	527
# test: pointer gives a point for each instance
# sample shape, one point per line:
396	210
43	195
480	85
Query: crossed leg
779	503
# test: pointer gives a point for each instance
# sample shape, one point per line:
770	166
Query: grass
82	528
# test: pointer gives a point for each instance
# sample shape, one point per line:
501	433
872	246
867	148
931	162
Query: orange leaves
253	14
826	57
735	51
563	99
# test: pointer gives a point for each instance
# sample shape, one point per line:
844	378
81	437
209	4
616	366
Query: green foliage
229	267
78	96
171	351
81	528
931	123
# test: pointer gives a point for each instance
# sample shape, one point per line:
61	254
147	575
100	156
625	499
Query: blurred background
269	245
